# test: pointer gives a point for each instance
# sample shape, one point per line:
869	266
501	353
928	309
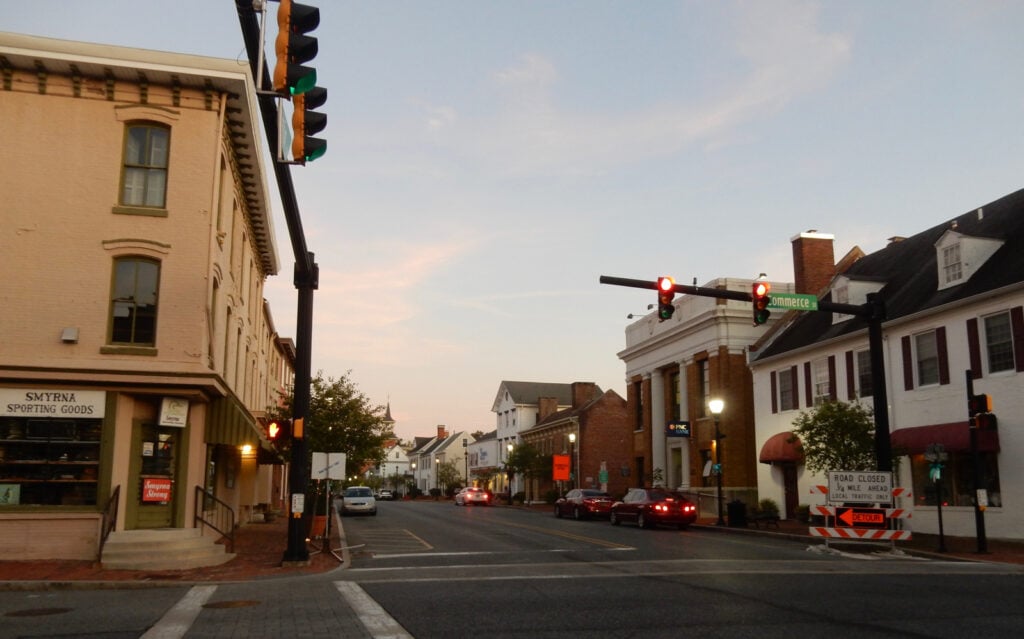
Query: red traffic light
666	292
759	296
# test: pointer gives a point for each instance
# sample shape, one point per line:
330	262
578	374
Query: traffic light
979	404
980	409
666	291
279	431
293	47
306	123
759	293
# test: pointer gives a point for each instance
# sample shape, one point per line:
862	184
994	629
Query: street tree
448	474
836	436
342	419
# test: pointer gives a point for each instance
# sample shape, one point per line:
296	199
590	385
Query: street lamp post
508	471
465	458
573	467
716	406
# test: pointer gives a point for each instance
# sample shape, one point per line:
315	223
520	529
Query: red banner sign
560	467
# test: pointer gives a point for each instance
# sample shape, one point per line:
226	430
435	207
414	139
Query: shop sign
560	467
156	489
52	403
174	412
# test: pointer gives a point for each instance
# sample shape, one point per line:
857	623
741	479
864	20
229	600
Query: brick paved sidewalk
259	550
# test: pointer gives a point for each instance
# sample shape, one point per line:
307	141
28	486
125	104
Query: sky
488	161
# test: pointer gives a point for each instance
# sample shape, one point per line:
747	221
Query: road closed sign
867	487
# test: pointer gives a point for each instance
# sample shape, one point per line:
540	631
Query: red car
584	503
651	506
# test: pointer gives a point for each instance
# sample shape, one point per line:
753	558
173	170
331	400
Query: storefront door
153	475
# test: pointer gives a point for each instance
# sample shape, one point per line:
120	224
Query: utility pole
306	280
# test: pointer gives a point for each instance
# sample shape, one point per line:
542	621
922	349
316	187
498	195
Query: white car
358	499
386	495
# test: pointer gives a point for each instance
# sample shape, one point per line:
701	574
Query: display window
49	462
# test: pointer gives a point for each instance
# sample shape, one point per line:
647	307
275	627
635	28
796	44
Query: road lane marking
374	618
180	618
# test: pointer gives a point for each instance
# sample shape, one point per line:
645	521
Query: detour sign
861	518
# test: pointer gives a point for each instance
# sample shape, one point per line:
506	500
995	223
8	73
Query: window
927	358
145	165
703	387
952	270
822	383
864	375
999	342
133	303
638	405
787	389
956	480
673	384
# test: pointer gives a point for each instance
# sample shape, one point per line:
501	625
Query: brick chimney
442	431
814	263
547	406
583	392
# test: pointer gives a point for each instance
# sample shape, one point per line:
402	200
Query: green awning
230	423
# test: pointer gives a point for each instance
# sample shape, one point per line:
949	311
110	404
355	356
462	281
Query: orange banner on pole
560	467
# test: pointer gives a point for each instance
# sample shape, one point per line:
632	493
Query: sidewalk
957	548
259	550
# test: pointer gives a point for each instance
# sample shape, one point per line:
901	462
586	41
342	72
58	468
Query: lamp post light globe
716	406
573	463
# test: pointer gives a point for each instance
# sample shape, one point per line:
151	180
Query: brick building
594	431
139	356
674	367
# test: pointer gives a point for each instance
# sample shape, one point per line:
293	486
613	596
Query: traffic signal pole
306	281
873	311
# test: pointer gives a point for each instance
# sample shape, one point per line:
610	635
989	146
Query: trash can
737	514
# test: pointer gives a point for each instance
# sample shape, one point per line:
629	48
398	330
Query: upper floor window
787	389
999	342
865	379
952	268
822	381
133	303
673	381
926	353
704	387
145	165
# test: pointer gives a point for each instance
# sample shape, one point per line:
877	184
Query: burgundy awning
781	447
956	437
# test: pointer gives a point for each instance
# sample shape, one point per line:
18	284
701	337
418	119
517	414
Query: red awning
781	447
956	437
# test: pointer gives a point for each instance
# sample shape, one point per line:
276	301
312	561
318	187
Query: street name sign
865	487
793	301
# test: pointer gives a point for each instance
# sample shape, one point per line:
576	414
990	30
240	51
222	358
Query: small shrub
768	507
551	496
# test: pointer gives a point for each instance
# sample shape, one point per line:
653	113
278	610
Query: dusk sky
487	162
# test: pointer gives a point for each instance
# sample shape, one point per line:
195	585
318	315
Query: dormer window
960	256
952	269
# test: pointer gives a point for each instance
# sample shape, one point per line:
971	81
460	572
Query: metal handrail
109	520
216	514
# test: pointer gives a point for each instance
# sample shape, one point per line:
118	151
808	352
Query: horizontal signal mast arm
863	310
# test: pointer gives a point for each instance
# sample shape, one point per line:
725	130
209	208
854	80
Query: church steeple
389	421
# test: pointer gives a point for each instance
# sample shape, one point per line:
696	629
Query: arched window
133	305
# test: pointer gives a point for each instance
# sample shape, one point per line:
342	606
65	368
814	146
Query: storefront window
49	462
956	481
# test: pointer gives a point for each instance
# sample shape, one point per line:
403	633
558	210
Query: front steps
162	549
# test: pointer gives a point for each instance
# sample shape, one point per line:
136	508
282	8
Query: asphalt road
430	569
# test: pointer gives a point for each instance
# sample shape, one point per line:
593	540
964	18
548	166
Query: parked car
651	506
358	499
386	495
472	495
584	503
